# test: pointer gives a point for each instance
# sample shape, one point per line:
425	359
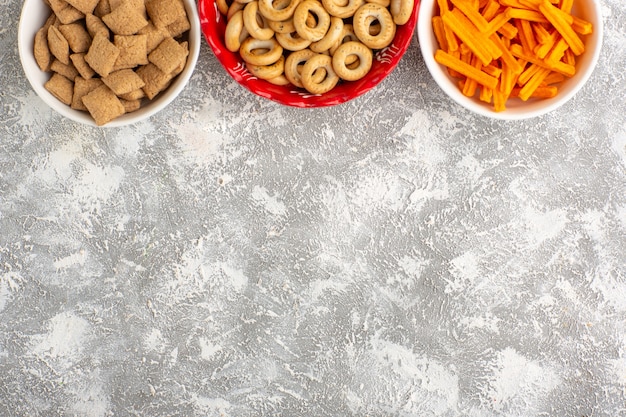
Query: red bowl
213	25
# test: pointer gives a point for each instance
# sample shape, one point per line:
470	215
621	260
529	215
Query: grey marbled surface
393	256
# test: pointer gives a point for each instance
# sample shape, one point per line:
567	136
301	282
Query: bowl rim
529	109
211	22
32	17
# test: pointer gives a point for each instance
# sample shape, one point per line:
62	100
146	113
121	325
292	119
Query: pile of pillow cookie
108	57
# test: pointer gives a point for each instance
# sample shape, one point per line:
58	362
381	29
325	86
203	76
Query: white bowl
34	15
516	109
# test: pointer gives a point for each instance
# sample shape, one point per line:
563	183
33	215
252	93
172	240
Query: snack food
109	57
306	34
502	49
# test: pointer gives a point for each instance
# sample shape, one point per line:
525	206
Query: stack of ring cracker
311	44
107	57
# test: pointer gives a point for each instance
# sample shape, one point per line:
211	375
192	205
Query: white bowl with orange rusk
510	59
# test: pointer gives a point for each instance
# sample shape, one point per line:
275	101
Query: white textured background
393	256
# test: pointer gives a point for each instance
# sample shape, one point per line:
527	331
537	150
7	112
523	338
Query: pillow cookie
110	57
